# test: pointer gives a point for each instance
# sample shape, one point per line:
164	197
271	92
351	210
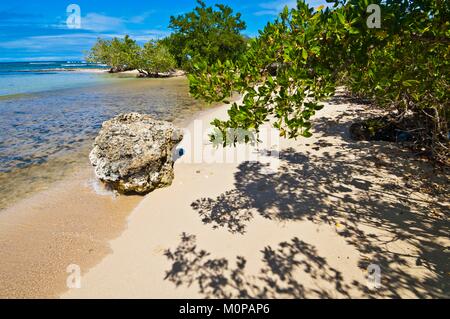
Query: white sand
89	70
130	72
346	202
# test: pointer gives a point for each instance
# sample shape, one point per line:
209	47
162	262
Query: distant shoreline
175	73
16	82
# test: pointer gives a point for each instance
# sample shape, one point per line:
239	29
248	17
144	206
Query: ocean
29	77
49	117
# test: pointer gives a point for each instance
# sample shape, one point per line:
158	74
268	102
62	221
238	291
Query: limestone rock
133	153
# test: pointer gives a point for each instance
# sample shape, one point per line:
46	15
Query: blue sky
36	30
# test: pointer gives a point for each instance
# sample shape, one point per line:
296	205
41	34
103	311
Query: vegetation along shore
307	160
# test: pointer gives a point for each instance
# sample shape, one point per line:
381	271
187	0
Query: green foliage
206	33
403	66
125	54
120	54
175	43
155	58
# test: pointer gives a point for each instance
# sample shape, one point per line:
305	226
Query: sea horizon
31	77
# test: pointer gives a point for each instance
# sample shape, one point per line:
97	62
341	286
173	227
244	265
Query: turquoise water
31	77
49	131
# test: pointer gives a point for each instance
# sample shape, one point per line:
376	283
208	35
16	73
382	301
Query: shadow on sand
359	185
216	278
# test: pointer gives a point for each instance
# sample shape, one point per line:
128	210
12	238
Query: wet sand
69	223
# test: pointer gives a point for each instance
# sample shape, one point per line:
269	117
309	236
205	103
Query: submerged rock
133	153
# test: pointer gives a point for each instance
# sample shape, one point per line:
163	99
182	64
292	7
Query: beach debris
133	153
178	153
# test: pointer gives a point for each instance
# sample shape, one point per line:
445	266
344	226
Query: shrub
207	34
125	54
155	59
120	54
403	66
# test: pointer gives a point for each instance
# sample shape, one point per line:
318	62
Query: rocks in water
134	153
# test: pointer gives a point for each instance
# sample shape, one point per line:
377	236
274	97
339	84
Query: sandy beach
130	73
53	212
258	150
70	222
337	219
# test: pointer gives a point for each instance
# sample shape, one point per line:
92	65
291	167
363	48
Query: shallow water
45	136
30	77
27	82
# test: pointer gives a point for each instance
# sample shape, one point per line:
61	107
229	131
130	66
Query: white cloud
76	41
97	22
39	59
100	23
66	42
94	22
147	35
275	7
49	41
142	17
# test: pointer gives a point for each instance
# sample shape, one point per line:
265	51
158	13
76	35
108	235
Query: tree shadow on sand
217	278
378	193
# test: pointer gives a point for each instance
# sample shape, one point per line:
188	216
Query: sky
37	30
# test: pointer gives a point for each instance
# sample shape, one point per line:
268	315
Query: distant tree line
126	54
205	34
